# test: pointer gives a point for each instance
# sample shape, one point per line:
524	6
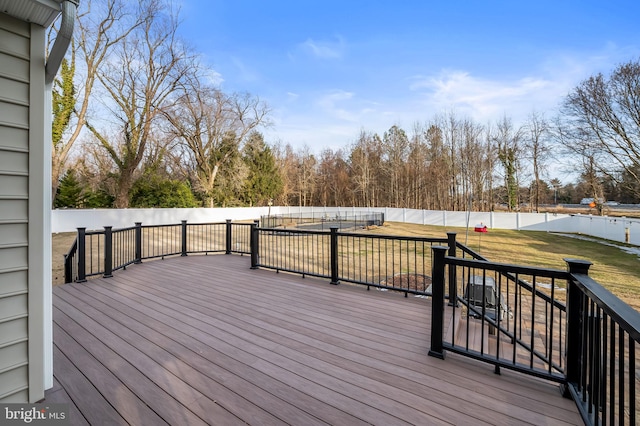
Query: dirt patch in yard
60	245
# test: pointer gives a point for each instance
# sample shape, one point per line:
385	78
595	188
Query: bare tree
508	144
600	121
366	163
211	125
141	74
101	27
538	150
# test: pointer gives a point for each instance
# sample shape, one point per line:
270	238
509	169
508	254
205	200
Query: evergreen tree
69	192
263	181
153	190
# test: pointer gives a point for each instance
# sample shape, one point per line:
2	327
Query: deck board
204	339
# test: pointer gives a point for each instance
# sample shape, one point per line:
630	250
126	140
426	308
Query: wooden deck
206	340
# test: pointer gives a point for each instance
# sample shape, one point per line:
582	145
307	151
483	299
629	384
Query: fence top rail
624	315
96	232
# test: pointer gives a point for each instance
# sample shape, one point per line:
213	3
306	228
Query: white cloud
325	49
213	77
486	99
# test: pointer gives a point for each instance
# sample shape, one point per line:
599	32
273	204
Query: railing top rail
295	231
510	271
96	232
164	225
73	248
509	268
394	237
130	228
467	250
623	314
355	234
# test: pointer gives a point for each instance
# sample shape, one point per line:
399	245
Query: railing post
255	242
575	316
184	238
453	288
138	243
437	302
333	252
82	260
228	238
108	252
68	268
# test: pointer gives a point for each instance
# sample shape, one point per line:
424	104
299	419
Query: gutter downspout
63	39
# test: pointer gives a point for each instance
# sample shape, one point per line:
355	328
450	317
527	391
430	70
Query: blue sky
331	68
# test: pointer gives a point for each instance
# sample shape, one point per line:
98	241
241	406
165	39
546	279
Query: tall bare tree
508	141
142	72
101	27
538	151
600	121
366	164
211	125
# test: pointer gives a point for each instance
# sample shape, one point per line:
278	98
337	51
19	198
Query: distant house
26	364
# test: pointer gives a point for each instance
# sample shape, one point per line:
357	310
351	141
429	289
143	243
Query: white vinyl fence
612	228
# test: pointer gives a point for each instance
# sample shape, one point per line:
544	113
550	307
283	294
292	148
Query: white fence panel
413	216
611	228
459	219
96	219
505	220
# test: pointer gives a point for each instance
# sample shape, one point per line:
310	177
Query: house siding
14	214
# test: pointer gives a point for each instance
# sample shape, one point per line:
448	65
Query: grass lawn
614	269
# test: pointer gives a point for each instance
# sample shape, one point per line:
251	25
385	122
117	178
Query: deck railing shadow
552	324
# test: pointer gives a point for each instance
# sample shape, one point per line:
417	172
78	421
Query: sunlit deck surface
205	339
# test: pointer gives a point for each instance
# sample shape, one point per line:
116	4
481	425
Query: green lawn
615	269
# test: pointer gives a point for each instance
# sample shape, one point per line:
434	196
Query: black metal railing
102	252
603	346
382	261
516	319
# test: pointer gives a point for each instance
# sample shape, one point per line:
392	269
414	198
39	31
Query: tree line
138	121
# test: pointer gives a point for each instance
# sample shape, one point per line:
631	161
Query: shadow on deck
206	340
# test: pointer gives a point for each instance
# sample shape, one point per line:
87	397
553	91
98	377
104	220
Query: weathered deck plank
206	339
